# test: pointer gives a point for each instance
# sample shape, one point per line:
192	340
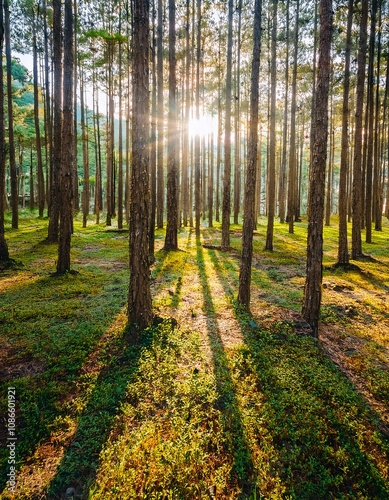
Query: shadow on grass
227	401
79	465
169	269
323	432
49	330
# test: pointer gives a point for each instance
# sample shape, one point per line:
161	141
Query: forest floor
214	403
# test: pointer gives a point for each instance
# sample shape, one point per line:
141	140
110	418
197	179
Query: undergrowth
228	404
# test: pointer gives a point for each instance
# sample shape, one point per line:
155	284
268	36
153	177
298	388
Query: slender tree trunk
292	147
40	177
171	200
153	138
120	144
160	127
219	133
47	108
237	168
343	254
185	145
4	253
356	250
85	159
249	199
283	171
66	188
139	295
377	173
370	128
328	204
97	160
197	137
32	181
211	180
76	195
11	140
226	210
110	203
312	291
53	230
272	153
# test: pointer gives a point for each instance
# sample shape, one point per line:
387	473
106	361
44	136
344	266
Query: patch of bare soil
342	349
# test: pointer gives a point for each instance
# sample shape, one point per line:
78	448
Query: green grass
227	404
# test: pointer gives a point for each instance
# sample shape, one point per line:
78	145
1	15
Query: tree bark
66	172
272	152
197	137
370	125
356	250
237	168
226	203
85	159
313	283
292	147
139	295
11	140
160	127
283	171
249	199
343	254
172	192
4	253
40	176
53	230
153	139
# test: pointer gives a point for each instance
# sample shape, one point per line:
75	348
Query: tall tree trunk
76	195
211	180
197	137
313	283
47	108
153	138
272	153
283	171
370	128
377	173
343	254
219	130
96	132
328	204
226	208
356	250
237	169
40	177
4	253
66	175
110	138
120	144
185	145
11	140
53	230
292	185
172	192
249	199
139	295
85	159
160	127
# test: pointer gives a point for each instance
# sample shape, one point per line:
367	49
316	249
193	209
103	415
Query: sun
202	127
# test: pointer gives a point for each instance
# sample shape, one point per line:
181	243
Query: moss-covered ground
214	403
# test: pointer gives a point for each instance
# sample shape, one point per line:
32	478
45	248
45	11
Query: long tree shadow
79	464
50	328
321	428
238	446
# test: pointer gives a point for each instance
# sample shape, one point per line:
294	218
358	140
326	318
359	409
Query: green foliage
229	404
